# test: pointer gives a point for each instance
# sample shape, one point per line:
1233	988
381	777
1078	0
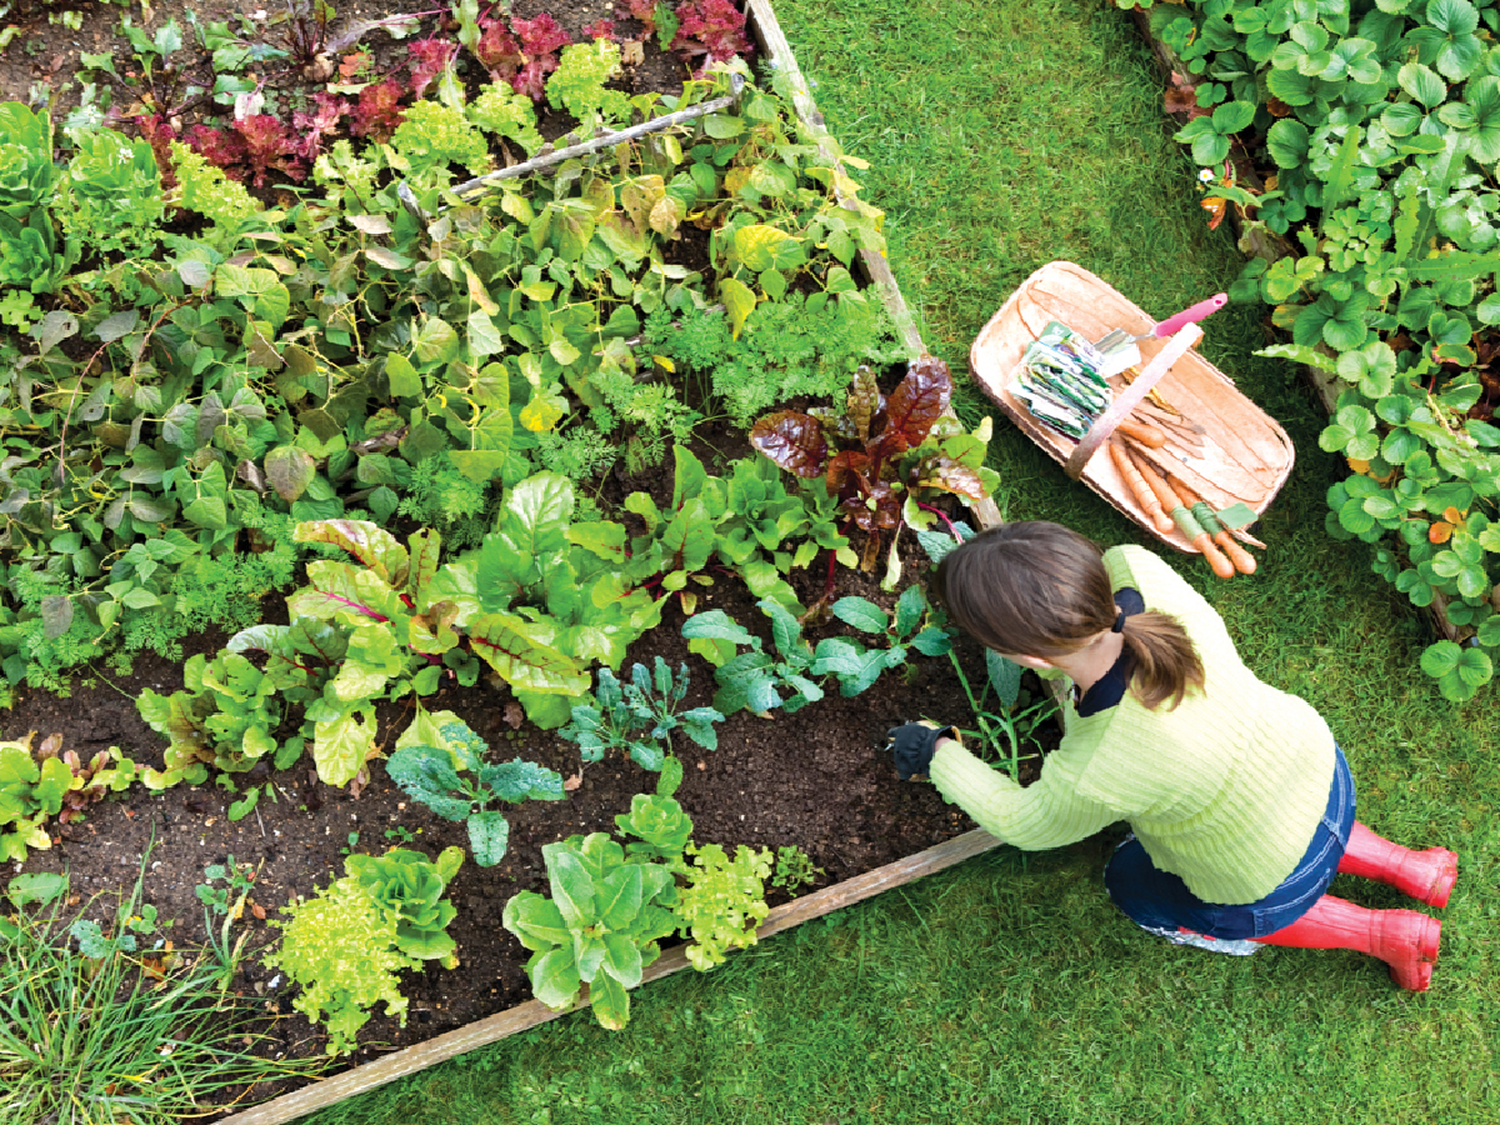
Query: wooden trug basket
1225	447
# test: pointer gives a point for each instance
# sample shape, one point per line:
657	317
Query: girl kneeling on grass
1240	802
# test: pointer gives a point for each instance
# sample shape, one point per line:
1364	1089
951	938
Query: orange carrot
1186	523
1143	494
1243	561
1139	431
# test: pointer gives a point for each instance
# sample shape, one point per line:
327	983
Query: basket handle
1130	398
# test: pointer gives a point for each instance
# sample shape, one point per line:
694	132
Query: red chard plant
878	451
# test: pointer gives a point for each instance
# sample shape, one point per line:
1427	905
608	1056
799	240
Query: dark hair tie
1119	625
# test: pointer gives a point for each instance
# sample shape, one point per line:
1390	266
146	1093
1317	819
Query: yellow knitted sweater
1225	790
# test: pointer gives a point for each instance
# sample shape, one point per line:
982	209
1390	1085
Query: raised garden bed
815	779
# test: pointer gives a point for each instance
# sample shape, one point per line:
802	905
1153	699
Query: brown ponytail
1038	589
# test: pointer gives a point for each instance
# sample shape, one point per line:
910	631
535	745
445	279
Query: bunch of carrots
1170	504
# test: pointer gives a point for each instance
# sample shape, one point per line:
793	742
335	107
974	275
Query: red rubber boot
1403	939
1426	876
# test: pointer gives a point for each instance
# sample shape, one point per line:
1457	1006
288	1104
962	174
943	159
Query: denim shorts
1161	902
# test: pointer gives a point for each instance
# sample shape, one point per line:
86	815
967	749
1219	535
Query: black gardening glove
912	746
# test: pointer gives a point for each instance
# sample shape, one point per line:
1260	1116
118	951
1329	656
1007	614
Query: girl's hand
912	746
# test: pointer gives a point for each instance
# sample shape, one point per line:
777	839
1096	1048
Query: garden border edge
532	1013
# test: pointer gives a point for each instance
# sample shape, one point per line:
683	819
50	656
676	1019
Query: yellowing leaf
665	362
543	412
734	179
762	247
739	299
666	215
477	292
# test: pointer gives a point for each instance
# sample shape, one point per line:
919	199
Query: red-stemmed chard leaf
794	441
918	401
947	475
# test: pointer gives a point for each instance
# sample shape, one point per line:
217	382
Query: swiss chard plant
452	778
877	451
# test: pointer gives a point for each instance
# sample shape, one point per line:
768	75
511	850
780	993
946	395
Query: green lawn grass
1003	135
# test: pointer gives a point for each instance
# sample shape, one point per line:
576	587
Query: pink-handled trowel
1119	348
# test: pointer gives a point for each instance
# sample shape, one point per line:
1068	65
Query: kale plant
631	718
456	783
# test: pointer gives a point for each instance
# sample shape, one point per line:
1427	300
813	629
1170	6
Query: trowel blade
1120	359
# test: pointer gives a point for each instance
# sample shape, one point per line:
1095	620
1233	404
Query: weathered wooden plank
778	53
523	1017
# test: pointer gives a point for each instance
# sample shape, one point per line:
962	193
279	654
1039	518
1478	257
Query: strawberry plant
1380	131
